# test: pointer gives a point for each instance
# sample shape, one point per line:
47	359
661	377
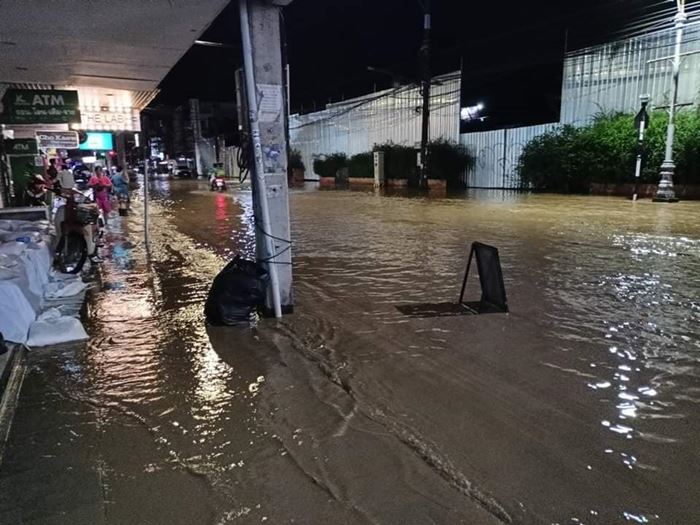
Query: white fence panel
356	125
612	76
497	154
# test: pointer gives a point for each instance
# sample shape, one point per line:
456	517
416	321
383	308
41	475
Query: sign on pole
39	106
57	139
21	147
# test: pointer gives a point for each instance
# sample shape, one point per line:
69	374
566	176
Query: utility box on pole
379	175
260	28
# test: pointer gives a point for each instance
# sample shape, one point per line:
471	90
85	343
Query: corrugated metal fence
604	78
497	153
356	125
611	77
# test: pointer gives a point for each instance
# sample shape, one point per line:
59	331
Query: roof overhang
117	45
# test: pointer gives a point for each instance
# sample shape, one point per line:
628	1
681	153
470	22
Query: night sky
511	52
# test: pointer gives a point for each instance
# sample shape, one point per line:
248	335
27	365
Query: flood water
582	405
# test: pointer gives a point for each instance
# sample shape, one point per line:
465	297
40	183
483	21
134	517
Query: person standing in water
120	182
101	185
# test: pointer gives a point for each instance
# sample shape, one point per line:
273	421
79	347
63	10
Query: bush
399	161
295	161
569	159
329	166
449	161
362	165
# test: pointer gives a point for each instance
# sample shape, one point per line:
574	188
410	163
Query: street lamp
664	192
469	113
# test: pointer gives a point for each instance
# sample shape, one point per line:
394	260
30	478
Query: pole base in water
658	198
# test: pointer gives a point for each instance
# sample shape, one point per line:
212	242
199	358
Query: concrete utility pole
264	81
425	91
665	192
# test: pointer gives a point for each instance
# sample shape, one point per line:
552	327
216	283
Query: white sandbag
25	235
55	275
52	328
37	261
65	288
16	314
13	248
8	273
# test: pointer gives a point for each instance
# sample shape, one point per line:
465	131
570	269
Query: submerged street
580	406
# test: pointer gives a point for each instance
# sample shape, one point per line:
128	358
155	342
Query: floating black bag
236	291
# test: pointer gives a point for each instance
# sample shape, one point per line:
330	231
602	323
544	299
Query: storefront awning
127	45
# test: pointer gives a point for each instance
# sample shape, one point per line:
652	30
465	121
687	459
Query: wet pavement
580	406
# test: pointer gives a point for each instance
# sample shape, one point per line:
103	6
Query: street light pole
664	192
425	91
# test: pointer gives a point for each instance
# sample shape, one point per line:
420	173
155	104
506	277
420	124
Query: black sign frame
493	291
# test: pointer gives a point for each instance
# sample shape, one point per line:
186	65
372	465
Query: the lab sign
57	139
125	120
39	106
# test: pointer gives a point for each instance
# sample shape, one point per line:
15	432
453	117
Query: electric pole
425	91
267	112
664	192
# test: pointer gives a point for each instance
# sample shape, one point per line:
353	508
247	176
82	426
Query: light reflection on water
609	288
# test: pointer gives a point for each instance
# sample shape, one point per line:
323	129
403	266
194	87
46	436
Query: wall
497	153
612	76
356	125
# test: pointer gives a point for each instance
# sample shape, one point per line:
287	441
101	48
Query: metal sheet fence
611	77
356	125
497	154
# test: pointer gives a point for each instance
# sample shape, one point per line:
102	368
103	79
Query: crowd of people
108	186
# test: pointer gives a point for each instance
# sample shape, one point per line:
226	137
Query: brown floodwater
580	406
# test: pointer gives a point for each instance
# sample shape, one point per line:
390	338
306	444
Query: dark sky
511	52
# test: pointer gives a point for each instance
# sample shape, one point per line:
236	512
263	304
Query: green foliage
568	159
295	162
329	166
362	165
399	161
448	161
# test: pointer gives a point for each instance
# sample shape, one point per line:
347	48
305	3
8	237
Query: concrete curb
12	370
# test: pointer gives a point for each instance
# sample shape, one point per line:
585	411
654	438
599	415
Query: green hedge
362	165
329	166
295	161
447	161
399	161
569	159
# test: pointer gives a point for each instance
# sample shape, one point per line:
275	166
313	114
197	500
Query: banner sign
57	139
39	106
21	147
124	120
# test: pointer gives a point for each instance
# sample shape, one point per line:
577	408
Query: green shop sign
39	106
21	147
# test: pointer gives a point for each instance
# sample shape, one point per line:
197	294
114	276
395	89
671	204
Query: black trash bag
238	289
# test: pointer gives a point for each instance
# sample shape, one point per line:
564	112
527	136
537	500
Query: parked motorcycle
79	225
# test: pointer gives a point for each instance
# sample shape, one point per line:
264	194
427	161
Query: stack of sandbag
65	292
28	287
53	328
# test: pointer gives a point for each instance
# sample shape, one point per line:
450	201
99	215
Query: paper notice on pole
269	102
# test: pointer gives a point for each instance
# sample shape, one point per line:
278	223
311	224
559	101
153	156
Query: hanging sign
39	106
126	119
21	147
57	139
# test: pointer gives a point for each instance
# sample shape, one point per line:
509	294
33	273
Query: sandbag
52	328
238	289
16	314
64	288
